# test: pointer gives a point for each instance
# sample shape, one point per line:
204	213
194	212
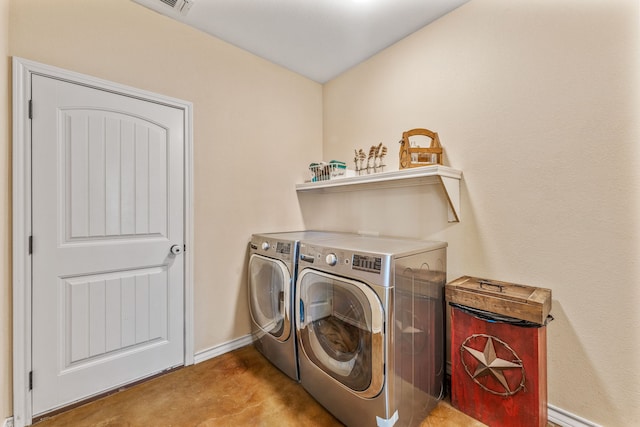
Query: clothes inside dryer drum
338	334
323	344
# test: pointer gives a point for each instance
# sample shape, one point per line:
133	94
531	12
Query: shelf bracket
452	191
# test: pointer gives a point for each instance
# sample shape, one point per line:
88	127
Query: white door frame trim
23	69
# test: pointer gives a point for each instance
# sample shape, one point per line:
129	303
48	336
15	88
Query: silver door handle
176	249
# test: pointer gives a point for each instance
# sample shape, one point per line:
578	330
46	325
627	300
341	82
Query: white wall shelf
448	178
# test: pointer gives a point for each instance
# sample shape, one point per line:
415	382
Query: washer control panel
281	249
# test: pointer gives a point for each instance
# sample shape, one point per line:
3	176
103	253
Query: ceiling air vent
179	6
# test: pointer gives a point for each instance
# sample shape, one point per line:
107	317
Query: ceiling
319	39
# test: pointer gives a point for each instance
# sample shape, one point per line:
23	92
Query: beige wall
254	124
5	217
538	104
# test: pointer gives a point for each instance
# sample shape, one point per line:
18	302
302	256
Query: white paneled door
108	207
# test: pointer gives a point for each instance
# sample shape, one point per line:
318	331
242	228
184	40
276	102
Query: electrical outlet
8	422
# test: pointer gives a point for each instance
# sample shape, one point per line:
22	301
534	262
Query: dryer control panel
369	263
370	266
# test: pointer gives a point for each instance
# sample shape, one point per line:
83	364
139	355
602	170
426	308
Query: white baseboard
8	422
223	348
567	419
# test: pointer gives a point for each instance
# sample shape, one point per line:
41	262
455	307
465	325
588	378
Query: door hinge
30	380
31	109
30	245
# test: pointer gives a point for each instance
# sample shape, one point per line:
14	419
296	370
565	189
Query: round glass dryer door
269	295
340	325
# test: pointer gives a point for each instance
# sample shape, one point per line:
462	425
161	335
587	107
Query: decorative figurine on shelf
381	151
412	155
374	161
359	159
371	160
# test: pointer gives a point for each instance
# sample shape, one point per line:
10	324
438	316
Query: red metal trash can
499	351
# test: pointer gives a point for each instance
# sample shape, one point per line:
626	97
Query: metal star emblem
489	364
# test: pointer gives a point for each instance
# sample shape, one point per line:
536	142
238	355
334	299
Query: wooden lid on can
508	299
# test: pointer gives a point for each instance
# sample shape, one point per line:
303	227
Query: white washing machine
272	276
370	326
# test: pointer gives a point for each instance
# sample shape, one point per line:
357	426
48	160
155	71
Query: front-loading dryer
271	279
370	327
